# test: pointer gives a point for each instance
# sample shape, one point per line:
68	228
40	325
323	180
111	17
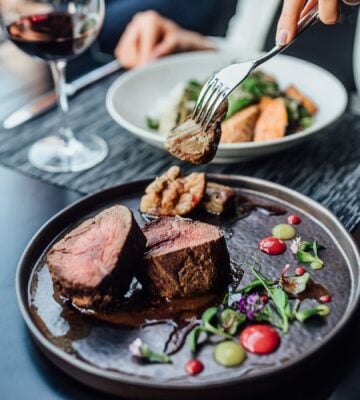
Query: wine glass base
52	154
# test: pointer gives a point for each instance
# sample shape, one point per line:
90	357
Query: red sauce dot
260	339
294	219
300	271
194	367
272	245
325	299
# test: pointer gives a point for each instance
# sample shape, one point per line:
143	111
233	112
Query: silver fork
219	86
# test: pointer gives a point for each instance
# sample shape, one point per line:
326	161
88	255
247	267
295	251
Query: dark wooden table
25	204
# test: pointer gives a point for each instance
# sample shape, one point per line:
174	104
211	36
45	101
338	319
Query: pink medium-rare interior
90	252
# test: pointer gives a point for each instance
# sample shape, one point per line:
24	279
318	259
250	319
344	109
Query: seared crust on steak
184	258
98	259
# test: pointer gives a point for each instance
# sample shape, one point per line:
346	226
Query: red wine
53	36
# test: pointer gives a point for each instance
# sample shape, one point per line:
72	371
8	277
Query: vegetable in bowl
258	110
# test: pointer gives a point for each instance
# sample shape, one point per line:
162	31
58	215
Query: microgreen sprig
142	351
307	252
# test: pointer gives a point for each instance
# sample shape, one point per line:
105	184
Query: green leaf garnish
141	350
152	356
321	310
152	123
307	252
294	284
193	338
278	296
230	320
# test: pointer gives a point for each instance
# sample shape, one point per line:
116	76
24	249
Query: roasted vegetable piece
219	199
272	122
172	194
294	93
240	127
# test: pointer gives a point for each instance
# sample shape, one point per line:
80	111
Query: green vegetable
321	310
192	90
236	105
259	84
280	299
284	231
308	253
305	122
208	327
294	284
229	354
151	356
193	339
152	123
230	320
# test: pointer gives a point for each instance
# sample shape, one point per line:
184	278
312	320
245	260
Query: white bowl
132	96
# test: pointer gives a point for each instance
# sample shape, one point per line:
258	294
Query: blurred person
192	15
253	28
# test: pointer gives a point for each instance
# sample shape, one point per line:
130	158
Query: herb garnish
321	310
142	351
294	284
262	300
209	327
307	252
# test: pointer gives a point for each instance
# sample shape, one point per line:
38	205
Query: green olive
284	231
229	354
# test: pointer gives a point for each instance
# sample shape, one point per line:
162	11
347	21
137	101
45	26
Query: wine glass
56	31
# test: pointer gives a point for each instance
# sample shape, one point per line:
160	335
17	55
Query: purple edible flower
250	305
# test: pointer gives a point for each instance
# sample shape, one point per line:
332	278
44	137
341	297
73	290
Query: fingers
139	39
329	11
127	49
150	33
287	24
167	46
308	6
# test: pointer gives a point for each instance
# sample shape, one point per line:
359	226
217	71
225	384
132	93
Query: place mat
326	168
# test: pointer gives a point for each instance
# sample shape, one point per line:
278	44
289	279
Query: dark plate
97	353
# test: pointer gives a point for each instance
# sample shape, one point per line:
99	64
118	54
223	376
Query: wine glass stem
58	72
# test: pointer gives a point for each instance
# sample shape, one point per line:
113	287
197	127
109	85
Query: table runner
325	168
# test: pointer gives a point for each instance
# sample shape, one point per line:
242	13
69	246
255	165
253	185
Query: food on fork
197	142
96	261
172	194
184	258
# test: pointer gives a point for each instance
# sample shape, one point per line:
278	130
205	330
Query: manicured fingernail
281	37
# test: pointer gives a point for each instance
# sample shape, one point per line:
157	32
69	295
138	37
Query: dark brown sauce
146	310
244	207
314	290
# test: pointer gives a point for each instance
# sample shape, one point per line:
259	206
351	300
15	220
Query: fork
219	86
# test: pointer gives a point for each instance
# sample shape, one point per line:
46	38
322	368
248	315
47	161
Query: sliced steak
97	260
184	258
